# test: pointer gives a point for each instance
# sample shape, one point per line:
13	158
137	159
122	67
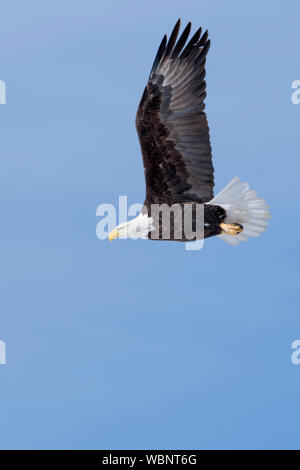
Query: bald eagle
174	138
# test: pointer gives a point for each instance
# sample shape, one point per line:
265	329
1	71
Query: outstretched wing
172	125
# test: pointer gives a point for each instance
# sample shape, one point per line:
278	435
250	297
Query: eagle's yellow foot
231	229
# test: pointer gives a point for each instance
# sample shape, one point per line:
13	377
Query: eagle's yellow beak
113	235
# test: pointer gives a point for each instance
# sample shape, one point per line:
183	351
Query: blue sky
137	344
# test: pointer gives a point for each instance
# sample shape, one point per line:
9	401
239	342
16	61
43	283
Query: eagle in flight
174	137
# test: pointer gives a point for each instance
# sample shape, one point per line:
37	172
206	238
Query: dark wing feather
172	125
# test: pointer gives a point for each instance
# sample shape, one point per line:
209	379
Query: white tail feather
243	207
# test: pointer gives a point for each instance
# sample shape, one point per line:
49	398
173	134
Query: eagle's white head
135	228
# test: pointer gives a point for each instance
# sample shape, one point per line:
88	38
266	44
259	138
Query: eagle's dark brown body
209	220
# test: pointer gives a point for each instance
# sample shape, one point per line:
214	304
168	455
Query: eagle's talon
231	229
